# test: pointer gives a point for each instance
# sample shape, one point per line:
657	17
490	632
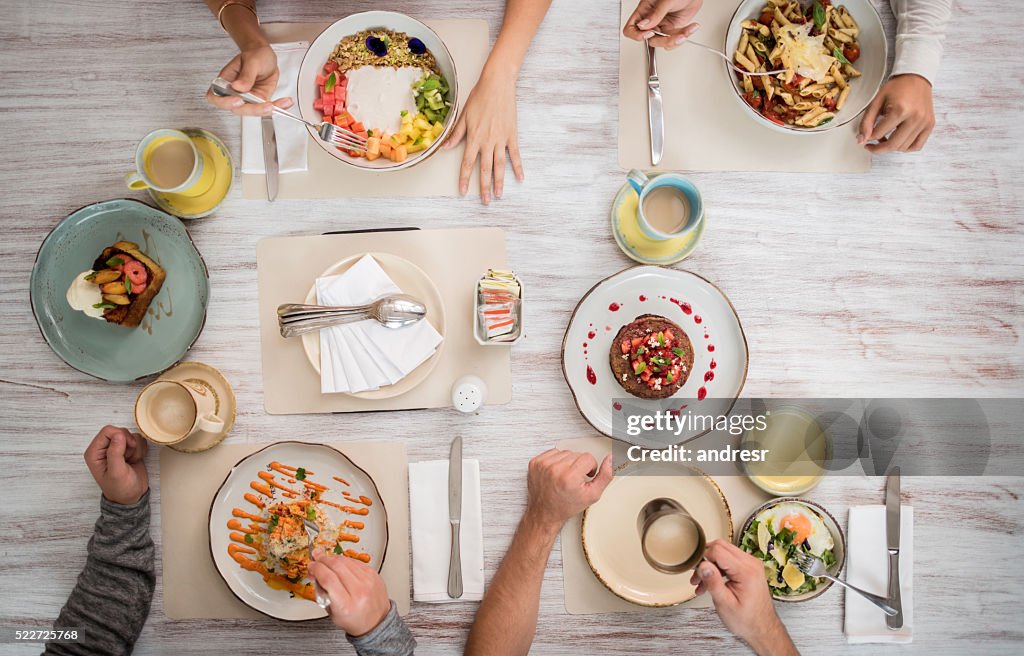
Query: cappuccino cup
670	206
168	411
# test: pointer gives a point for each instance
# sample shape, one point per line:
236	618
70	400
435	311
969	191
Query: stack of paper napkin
364	356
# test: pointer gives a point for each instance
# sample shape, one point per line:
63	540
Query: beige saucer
213	380
611	541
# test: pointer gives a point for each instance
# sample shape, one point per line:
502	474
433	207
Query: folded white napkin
432	534
366	355
867	567
292	138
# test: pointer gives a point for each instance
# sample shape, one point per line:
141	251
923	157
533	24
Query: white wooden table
903	281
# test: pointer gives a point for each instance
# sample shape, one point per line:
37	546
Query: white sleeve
920	31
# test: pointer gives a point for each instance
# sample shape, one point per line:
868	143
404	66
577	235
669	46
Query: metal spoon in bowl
392	311
727	58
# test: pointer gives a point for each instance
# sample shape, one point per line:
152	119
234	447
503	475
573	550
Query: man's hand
672	17
488	124
254	71
560	485
359	599
743	601
116	459
900	118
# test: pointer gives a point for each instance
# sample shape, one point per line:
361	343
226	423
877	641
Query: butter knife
270	155
655	115
455	517
892	536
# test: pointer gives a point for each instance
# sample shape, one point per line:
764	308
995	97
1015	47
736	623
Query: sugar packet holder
498	309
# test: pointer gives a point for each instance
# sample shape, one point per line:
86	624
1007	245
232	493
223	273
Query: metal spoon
727	58
392	311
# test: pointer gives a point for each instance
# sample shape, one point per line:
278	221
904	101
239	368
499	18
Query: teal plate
175	317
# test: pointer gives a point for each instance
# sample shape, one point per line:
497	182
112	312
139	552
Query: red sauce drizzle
614	307
591	335
702	393
713	364
684	306
642	298
617	405
591	376
697	319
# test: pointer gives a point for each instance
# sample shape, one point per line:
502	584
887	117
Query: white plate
322	47
611	540
324	462
873	62
411	280
595	324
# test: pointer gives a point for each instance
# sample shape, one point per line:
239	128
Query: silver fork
312	531
812	566
328	132
728	60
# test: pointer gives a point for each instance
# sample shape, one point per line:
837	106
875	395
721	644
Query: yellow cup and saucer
636	242
188	172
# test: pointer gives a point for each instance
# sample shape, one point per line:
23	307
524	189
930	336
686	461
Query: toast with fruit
129	281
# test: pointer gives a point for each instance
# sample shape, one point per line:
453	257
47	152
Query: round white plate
324	463
611	539
872	64
322	47
719	345
411	280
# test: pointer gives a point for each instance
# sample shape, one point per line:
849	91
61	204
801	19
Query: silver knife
455	517
655	115
270	155
892	535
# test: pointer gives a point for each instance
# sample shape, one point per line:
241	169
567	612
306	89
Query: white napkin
867	567
292	138
367	355
432	534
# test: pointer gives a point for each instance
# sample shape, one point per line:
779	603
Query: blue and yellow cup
644	185
183	171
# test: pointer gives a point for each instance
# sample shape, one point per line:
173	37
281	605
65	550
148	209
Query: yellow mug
167	161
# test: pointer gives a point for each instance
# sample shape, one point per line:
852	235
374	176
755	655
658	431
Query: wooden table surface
903	281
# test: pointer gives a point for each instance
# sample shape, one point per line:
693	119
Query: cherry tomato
794	84
829	103
753	99
852	52
766	17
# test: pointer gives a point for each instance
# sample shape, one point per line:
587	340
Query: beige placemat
468	41
188	482
584	593
706	129
453	259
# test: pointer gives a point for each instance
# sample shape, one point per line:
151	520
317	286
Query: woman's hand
673	17
900	118
488	124
255	71
117	460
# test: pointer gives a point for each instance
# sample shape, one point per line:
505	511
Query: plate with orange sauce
257	536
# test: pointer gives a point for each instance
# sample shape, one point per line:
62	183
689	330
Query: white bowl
873	62
838	540
322	47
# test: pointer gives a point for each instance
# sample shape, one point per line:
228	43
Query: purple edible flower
376	46
416	46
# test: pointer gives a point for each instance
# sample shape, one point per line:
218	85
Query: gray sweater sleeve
390	638
111	600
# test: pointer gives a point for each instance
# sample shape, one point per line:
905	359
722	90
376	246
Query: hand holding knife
892	534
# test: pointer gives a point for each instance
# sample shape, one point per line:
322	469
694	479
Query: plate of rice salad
386	77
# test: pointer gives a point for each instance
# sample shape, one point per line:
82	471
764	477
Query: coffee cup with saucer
221	401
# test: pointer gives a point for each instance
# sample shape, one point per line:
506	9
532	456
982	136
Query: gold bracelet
227	3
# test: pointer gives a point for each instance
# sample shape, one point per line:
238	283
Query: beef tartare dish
651	357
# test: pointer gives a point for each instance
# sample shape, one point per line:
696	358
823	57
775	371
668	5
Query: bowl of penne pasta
821	61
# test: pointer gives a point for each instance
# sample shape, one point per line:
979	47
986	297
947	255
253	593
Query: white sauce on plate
378	95
82	295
